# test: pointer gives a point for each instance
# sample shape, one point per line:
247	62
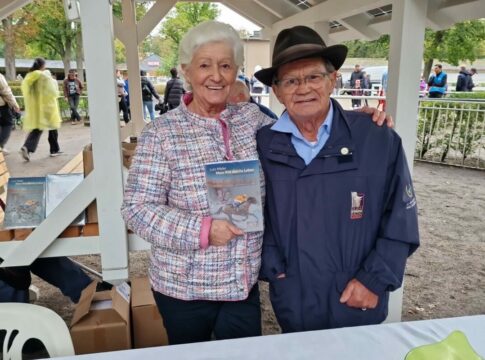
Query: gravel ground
444	278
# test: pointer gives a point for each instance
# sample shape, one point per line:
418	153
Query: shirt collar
286	125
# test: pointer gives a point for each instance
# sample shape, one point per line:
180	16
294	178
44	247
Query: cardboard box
22	234
6	235
71	231
88	165
101	320
127	150
91	230
147	323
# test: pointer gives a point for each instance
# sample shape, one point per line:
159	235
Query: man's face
308	100
437	70
357	68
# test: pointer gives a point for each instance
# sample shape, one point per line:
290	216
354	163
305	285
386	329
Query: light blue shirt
305	149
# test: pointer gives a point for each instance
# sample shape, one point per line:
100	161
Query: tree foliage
55	35
369	49
464	41
14	31
184	16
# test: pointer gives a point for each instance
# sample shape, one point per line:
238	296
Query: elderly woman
203	271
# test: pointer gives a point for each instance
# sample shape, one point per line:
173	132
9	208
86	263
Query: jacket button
344	151
239	261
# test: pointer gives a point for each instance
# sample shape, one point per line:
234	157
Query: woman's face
211	73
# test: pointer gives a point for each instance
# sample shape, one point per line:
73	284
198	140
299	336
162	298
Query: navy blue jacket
351	213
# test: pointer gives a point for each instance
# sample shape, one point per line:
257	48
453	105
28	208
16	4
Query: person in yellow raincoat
40	93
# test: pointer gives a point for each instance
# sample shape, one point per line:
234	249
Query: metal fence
451	132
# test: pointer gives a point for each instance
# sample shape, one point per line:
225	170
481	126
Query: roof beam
458	11
281	9
153	17
7	7
252	11
360	23
437	19
327	11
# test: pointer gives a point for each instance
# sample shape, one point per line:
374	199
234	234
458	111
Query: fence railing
64	106
451	132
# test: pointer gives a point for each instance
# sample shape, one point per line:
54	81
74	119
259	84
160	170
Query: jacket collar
338	154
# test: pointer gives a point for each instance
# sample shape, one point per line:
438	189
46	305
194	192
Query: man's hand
16	109
378	116
358	296
222	232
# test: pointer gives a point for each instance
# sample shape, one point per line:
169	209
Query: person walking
257	87
7	105
470	84
73	87
357	91
462	80
174	90
437	82
122	94
147	93
357	74
40	93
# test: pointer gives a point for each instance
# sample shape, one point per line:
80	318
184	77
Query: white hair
210	32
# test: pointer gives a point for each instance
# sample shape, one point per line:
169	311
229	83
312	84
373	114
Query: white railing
451	132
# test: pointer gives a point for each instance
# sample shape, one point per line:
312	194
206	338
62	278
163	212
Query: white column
405	58
130	30
98	39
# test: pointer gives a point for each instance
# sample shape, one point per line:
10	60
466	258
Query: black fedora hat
297	43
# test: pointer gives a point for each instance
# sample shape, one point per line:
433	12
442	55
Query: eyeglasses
315	80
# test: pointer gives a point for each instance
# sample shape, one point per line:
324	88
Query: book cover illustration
58	186
234	193
25	206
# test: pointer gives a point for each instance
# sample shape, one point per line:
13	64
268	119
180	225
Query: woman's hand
222	232
379	117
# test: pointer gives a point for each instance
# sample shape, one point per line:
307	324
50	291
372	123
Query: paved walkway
72	139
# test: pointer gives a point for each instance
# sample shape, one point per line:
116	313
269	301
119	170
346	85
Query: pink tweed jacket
165	203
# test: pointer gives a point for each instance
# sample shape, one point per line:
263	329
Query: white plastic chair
33	322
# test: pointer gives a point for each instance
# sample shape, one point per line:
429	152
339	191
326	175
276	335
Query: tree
14	31
369	49
56	36
462	42
184	16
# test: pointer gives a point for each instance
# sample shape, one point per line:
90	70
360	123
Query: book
25	206
58	186
234	193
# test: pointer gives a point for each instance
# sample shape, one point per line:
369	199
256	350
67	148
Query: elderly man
341	214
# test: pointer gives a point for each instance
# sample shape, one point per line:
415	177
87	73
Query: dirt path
445	278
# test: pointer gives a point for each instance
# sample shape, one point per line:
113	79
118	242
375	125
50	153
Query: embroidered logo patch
357	206
408	197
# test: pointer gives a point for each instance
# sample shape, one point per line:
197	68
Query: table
385	341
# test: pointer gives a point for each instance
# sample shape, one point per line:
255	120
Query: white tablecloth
376	342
